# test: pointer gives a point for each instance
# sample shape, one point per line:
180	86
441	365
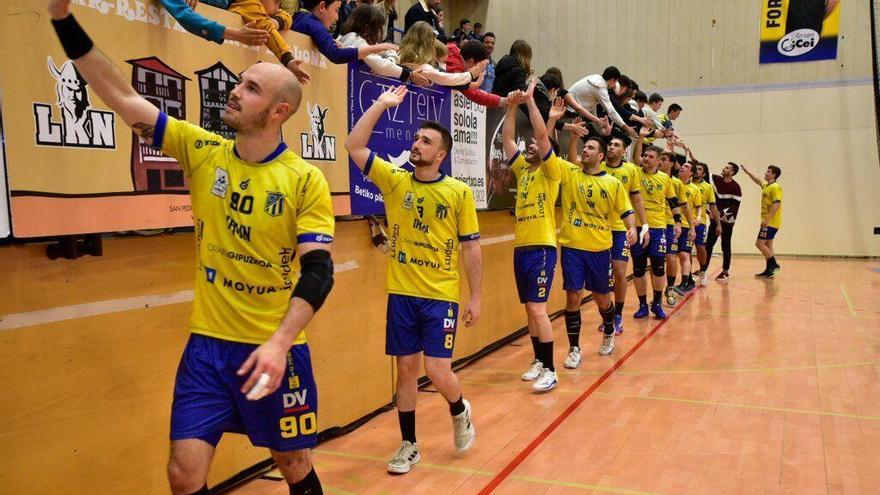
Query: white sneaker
404	458
546	382
462	429
534	371
704	279
607	346
574	358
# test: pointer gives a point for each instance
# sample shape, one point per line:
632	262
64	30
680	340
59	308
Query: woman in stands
513	69
417	51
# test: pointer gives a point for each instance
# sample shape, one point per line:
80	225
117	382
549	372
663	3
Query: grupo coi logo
798	42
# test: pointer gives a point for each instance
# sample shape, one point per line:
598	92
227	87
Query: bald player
246	367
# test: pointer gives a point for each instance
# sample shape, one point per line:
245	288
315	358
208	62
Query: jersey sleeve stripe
369	164
159	132
513	158
549	153
626	214
469	237
314	237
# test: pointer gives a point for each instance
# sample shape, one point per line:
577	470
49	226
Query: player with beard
537	174
693	197
701	174
430	215
237	371
657	193
669	165
630	175
728	194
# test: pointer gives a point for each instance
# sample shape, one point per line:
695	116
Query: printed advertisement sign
799	30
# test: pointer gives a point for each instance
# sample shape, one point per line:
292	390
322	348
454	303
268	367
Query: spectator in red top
463	60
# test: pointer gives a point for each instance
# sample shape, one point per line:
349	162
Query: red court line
501	476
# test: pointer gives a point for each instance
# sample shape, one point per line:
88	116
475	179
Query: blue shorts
656	247
417	324
587	270
684	245
701	235
208	400
672	241
767	233
533	268
620	247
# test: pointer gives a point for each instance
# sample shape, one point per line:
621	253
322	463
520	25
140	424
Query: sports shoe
704	278
574	358
670	296
773	271
618	324
607	345
462	429
657	309
404	458
642	312
534	371
680	289
763	274
546	382
722	277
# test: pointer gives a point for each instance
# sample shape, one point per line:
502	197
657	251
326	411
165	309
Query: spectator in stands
470	55
441	31
290	6
366	26
417	51
345	11
423	10
315	18
211	30
477	34
390	7
586	95
672	113
463	31
489	77
513	69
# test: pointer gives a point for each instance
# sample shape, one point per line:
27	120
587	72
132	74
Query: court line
755	407
582	486
61	313
698	371
436	467
506	472
849	303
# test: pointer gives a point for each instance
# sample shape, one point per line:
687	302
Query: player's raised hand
59	9
392	97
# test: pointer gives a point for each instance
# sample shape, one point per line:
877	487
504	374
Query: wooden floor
753	387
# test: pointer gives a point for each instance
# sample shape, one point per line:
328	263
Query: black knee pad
640	266
658	266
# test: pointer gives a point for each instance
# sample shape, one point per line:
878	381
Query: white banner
469	145
4	195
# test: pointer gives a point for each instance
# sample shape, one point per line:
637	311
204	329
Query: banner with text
469	146
799	30
74	167
393	135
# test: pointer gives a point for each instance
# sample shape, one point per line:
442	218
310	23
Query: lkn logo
318	145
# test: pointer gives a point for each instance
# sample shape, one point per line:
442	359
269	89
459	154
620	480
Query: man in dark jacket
423	10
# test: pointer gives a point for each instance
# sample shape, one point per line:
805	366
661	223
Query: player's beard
246	124
418	160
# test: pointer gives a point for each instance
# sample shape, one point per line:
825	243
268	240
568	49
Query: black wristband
74	40
677	217
282	23
286	57
405	74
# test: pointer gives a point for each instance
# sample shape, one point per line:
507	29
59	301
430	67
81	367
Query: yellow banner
73	165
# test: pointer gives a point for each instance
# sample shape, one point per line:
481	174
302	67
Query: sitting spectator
463	31
513	69
489	77
366	26
477	33
315	18
417	51
268	16
423	10
471	55
212	30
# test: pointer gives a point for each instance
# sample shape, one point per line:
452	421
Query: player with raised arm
430	215
246	367
771	216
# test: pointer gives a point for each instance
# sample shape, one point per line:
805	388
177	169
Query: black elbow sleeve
316	278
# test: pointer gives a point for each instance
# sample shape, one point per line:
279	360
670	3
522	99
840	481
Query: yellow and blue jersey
590	204
694	198
249	219
630	175
680	197
708	193
656	192
428	221
771	193
536	194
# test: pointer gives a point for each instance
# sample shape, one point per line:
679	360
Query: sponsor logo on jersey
408	200
210	274
442	211
221	182
243	185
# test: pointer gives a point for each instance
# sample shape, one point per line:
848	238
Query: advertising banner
469	146
501	181
799	30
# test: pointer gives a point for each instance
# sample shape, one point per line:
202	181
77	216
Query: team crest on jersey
80	126
318	145
442	211
274	203
221	182
408	200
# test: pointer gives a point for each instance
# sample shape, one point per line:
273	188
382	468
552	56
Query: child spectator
314	19
212	30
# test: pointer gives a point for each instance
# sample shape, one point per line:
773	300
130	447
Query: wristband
677	217
74	40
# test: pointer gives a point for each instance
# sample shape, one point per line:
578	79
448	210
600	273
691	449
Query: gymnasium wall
815	120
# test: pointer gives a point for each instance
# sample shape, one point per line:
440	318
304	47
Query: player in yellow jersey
657	193
255	204
537	174
709	210
771	217
693	197
630	175
430	215
591	201
669	165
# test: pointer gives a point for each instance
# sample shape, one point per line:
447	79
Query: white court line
62	313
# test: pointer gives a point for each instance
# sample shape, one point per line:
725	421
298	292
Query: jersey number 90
292	426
